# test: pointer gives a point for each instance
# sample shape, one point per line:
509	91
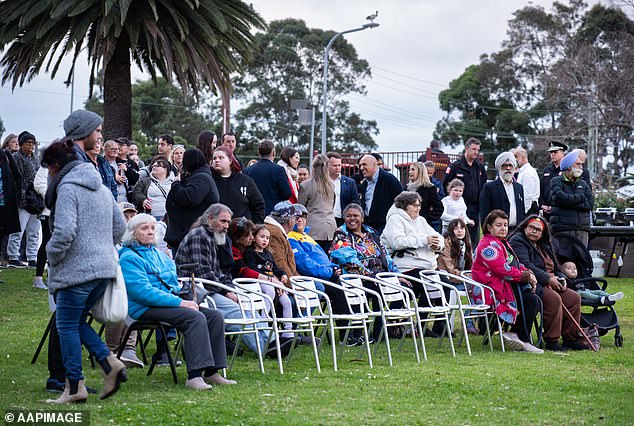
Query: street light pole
325	92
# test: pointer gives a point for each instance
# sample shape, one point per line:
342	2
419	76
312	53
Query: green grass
486	388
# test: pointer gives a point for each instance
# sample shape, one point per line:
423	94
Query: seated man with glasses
504	193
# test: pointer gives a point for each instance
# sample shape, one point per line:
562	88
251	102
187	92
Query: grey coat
87	225
321	218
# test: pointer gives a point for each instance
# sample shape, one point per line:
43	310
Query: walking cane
580	329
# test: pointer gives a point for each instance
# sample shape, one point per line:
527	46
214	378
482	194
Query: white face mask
576	173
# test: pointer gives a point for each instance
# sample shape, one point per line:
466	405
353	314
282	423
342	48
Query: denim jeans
73	304
231	310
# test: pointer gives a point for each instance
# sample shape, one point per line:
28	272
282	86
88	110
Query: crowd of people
202	211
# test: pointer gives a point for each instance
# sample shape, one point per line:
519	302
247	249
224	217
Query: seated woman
497	266
151	281
357	249
531	242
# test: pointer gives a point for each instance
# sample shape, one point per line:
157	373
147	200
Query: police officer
471	171
556	150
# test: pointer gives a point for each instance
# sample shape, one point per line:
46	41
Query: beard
220	238
507	176
577	173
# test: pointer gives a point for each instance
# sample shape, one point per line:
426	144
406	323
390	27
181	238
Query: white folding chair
304	322
396	317
248	324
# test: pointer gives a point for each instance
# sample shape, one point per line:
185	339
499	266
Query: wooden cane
580	329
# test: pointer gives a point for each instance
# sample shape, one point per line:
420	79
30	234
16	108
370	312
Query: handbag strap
156	274
158	184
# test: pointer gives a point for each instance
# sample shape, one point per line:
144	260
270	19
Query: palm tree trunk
117	94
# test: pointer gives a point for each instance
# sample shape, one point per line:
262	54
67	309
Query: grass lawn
486	388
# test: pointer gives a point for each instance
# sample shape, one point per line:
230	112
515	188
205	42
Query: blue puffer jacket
144	289
310	258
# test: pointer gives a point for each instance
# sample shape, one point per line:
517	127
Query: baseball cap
284	209
125	206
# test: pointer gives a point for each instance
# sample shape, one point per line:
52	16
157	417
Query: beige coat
321	218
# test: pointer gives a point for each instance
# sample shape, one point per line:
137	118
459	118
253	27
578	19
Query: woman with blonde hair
10	143
431	208
317	194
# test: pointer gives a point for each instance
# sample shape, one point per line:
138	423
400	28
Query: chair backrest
355	297
389	293
254	299
310	299
433	286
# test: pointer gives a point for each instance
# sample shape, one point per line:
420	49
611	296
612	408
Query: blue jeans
231	310
73	305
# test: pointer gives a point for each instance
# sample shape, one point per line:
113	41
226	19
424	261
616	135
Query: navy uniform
549	172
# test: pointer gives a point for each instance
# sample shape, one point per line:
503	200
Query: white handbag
113	305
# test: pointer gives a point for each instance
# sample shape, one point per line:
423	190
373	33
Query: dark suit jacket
349	193
272	182
386	189
494	197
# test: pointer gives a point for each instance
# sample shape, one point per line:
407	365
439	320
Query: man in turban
504	193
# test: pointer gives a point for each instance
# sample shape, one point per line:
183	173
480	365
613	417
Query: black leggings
41	252
524	321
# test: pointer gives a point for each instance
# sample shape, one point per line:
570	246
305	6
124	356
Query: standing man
270	178
571	199
503	193
529	179
556	150
84	129
27	164
111	151
229	140
129	167
586	173
378	190
470	171
165	145
345	187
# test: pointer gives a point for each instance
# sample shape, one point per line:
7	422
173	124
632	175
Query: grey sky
419	48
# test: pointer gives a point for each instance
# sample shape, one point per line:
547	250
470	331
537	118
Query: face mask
576	173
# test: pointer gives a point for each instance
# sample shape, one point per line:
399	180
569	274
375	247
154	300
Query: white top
510	193
454	209
337	207
529	179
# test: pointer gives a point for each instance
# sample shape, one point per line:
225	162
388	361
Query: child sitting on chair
589	296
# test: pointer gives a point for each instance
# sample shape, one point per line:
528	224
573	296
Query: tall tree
2	129
289	65
199	42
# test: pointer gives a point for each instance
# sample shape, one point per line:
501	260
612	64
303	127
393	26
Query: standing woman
41	184
207	141
85	222
150	193
10	143
176	158
317	194
191	194
237	190
289	159
431	207
11	183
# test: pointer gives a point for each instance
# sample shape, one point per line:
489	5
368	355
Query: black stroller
571	249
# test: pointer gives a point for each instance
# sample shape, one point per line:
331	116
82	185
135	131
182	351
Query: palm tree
199	42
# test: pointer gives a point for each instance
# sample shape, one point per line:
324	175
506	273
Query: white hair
133	224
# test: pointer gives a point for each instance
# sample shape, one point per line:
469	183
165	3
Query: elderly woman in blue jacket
151	282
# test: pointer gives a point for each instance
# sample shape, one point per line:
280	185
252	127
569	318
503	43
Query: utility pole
592	132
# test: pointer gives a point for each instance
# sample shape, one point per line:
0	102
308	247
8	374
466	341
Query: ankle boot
75	391
114	372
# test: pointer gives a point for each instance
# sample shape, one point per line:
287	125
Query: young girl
259	259
457	255
455	207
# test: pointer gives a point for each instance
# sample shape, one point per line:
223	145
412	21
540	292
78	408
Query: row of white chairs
397	307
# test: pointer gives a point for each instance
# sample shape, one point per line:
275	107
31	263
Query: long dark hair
193	159
206	144
59	154
455	243
521	228
238	228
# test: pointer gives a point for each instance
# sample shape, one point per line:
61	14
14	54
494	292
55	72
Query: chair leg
169	355
43	339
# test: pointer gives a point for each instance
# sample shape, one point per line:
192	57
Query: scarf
291	171
51	192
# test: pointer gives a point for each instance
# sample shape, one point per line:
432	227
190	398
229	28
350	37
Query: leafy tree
2	129
199	42
289	65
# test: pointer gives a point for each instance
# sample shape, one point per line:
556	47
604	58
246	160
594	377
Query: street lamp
325	92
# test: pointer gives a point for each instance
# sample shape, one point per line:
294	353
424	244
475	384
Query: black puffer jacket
528	256
571	204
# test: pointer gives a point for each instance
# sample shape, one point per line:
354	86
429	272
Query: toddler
455	207
589	296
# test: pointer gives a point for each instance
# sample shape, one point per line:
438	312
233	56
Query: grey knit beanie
81	123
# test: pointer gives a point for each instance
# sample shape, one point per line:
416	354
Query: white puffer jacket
410	235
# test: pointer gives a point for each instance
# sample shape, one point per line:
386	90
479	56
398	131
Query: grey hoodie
87	225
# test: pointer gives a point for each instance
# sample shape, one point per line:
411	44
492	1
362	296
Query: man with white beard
206	252
503	193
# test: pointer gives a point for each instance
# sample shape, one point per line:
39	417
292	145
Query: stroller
571	249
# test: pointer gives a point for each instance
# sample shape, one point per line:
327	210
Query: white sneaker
39	283
198	383
530	348
512	342
616	296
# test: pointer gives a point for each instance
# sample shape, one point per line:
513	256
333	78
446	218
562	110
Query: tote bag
113	305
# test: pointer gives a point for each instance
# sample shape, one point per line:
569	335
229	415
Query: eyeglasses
28	143
416	205
535	228
159	165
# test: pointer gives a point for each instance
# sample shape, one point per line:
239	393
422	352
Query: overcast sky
420	46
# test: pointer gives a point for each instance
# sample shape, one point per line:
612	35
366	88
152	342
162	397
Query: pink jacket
492	266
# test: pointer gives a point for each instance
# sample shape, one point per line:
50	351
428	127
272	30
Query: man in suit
378	190
345	187
504	193
270	178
